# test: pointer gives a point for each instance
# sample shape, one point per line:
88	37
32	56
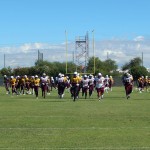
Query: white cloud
123	51
139	38
113	53
119	50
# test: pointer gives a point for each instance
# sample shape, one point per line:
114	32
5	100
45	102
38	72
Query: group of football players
22	85
142	84
75	84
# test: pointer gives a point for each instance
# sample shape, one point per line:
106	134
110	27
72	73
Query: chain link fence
1	81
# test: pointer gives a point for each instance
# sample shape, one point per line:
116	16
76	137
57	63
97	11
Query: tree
132	63
34	71
110	65
101	66
42	63
98	65
135	68
6	71
138	71
71	67
54	68
21	71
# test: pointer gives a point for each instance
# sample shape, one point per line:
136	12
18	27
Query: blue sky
45	21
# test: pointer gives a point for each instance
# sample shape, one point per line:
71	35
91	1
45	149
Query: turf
113	123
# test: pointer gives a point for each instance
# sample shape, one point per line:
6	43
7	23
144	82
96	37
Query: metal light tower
82	52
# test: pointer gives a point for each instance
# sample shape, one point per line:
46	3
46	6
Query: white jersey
60	80
44	79
99	82
128	80
85	82
107	81
91	81
52	80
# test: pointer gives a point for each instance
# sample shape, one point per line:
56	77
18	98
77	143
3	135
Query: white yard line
72	116
37	116
77	128
82	148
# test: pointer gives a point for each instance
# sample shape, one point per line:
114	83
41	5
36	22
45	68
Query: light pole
66	51
93	51
142	59
4	61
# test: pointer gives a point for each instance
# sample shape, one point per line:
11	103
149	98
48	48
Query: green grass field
114	123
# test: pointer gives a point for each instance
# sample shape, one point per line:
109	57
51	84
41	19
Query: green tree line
108	66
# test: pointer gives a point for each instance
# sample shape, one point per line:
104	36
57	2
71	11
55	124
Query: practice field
113	123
